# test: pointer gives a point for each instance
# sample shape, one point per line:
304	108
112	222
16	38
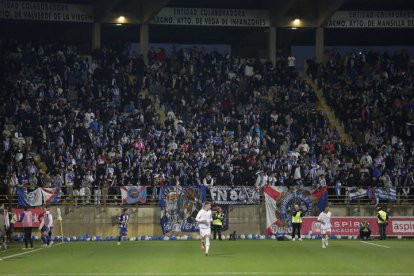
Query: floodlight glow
121	19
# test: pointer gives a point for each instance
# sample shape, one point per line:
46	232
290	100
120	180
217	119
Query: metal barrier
152	199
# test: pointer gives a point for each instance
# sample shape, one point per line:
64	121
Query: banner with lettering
37	216
212	17
179	207
372	19
46	11
349	226
235	196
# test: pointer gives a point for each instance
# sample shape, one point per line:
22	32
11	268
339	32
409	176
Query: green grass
247	257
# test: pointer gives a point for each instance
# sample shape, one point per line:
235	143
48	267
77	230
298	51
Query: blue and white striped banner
357	193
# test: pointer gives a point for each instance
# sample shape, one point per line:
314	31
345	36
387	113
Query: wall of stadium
145	220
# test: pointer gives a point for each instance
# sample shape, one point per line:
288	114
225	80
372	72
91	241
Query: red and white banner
272	194
37	216
349	226
50	195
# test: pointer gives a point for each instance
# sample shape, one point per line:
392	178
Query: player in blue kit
46	227
123	224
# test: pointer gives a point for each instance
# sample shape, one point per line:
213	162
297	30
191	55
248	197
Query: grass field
247	257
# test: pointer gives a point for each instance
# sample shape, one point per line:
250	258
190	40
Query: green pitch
251	257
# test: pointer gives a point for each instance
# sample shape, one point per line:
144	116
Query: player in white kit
325	219
204	218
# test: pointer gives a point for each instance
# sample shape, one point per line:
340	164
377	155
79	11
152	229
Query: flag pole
59	218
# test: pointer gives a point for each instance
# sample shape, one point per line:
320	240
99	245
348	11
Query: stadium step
156	103
330	114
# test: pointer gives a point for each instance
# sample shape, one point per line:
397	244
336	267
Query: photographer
217	223
364	230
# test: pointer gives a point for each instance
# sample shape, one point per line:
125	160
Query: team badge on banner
179	207
133	194
280	202
27	199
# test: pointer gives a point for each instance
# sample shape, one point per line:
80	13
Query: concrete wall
145	220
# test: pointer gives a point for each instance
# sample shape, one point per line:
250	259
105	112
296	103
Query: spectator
208	181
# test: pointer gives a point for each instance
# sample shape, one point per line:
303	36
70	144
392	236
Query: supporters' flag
235	196
27	199
373	196
386	194
357	193
321	197
133	194
272	194
51	195
179	207
376	194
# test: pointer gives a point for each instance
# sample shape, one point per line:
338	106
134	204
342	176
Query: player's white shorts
204	232
325	228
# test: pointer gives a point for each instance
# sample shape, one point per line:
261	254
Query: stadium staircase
154	100
156	103
330	114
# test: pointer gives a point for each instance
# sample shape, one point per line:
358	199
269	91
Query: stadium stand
91	124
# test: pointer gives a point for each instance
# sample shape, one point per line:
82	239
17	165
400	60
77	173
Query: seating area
90	123
372	94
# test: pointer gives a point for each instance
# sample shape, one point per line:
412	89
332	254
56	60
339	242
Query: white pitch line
28	251
375	244
211	273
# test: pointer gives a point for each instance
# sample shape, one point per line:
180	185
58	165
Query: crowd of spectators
89	124
372	94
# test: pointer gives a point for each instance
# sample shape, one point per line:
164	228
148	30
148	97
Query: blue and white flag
28	199
386	194
357	193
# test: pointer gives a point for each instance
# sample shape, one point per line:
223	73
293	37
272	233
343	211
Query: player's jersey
204	215
47	220
325	218
123	221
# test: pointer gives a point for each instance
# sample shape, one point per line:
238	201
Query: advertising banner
46	11
349	226
212	17
37	216
372	19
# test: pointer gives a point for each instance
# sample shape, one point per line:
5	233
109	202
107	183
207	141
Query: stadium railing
116	199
